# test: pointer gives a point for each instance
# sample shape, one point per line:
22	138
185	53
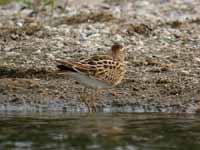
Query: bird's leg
92	100
83	98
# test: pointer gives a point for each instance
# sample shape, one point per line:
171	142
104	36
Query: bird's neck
118	57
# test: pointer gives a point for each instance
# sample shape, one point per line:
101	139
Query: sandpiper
100	71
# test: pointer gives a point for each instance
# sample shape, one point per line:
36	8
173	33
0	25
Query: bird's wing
69	65
102	67
99	67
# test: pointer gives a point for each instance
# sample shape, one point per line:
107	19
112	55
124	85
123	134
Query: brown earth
163	54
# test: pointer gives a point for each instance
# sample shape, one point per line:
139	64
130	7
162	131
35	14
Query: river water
101	131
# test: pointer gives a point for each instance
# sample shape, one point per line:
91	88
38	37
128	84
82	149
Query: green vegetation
3	2
36	4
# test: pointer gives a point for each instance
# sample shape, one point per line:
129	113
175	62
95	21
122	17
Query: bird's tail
64	66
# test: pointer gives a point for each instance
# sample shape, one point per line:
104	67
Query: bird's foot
83	98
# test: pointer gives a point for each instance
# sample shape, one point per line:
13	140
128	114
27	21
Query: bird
98	72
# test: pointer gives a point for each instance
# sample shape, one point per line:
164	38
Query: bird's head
117	52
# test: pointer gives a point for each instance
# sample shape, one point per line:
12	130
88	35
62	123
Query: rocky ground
163	54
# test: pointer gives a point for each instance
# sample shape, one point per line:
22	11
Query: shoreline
162	57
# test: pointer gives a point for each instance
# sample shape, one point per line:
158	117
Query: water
101	131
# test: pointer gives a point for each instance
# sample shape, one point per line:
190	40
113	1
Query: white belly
88	81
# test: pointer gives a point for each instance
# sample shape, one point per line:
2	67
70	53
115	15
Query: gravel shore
163	54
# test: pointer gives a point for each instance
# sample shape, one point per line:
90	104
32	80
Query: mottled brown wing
94	60
103	67
69	65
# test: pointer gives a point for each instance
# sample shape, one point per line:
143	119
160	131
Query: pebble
197	59
11	54
38	52
50	56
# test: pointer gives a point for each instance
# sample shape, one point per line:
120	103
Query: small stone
26	12
37	52
10	54
7	48
19	24
50	56
186	72
14	36
197	59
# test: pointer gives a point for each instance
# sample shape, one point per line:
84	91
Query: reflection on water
118	131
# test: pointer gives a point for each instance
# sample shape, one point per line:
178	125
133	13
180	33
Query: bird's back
105	68
101	68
